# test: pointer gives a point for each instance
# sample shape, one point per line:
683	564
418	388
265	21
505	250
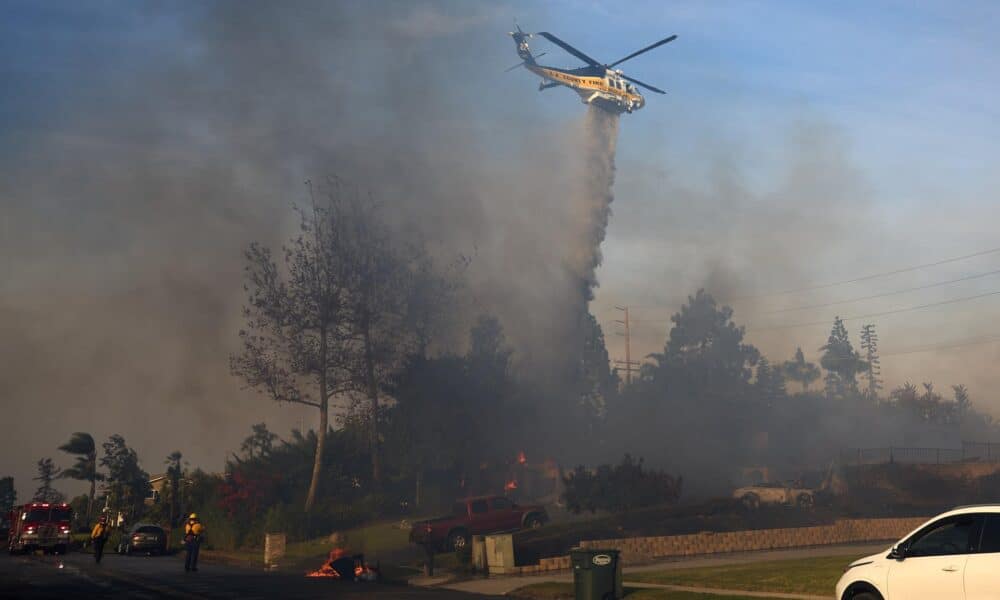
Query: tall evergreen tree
128	484
842	363
47	471
962	402
873	371
770	382
800	371
174	474
259	443
598	383
705	345
82	446
8	495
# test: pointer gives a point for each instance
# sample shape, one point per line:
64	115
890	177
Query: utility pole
627	365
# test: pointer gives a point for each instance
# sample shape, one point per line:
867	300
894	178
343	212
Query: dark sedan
145	538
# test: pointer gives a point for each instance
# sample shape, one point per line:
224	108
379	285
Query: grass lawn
805	576
564	591
376	541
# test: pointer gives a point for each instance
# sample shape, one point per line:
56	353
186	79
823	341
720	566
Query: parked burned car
789	494
144	538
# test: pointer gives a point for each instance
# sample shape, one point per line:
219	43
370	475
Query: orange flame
362	571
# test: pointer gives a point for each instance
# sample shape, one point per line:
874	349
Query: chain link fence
969	452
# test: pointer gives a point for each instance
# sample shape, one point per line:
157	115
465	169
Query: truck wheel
804	500
751	500
533	522
458	540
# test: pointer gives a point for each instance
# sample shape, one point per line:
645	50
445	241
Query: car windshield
61	514
37	514
148	529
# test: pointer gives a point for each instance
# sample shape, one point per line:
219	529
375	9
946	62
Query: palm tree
85	469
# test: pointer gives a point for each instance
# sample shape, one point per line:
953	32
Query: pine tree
259	443
8	495
962	402
174	474
770	382
869	344
841	361
47	471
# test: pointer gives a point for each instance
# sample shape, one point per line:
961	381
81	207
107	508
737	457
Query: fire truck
40	526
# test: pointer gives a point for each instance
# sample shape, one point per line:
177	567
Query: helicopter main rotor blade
645	85
646	49
570	49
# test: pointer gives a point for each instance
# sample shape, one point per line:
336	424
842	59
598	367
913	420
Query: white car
753	496
954	556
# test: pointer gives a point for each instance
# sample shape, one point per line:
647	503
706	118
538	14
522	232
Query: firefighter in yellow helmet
98	536
194	533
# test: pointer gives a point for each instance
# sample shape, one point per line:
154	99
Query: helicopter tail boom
521	41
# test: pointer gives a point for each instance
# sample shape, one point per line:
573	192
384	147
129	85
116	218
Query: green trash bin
597	574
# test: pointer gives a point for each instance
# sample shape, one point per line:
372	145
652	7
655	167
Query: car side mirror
897	553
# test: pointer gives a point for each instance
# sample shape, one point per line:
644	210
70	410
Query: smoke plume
599	136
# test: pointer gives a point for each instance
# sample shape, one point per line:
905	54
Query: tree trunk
371	383
321	435
416	496
318	461
90	500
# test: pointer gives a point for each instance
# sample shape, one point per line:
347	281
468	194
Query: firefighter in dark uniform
194	532
98	536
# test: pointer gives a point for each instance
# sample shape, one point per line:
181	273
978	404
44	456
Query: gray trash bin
597	574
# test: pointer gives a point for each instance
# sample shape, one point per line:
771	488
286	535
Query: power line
984	339
854	280
879	314
868	277
883	295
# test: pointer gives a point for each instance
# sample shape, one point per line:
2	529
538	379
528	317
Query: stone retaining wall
840	532
670	546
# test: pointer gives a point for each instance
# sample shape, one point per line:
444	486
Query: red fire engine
40	526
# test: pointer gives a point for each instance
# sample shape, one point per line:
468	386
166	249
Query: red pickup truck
476	516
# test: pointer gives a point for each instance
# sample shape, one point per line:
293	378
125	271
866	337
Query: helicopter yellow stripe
586	83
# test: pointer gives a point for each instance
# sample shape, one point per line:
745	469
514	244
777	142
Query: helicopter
598	84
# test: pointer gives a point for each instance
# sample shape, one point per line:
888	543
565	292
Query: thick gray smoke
133	176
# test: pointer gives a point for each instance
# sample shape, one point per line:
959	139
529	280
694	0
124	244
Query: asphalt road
75	576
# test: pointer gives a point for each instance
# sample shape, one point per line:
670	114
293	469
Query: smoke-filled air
335	264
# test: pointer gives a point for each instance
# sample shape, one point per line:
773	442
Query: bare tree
292	345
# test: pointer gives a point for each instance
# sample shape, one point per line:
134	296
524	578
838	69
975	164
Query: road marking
724	592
